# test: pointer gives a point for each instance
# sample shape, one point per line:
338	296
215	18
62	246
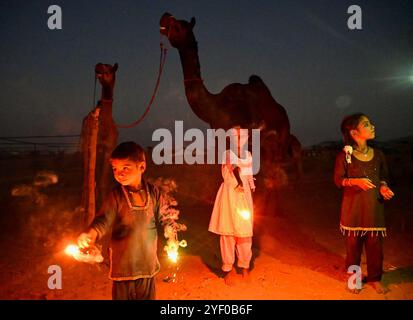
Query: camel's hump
255	80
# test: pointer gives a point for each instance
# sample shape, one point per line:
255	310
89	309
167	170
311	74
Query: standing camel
248	105
99	120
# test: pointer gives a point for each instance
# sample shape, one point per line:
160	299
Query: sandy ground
298	251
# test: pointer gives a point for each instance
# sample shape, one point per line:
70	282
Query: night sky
315	67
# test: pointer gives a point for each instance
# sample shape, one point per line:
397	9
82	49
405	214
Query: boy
131	213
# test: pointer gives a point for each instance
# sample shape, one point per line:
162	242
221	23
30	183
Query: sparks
172	249
72	250
88	255
173	255
245	214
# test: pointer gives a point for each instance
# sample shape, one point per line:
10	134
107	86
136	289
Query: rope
94	94
40	137
162	61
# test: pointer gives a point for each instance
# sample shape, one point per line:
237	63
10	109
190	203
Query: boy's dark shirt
133	246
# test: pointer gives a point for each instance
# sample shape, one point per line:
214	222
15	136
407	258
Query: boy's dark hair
128	150
350	123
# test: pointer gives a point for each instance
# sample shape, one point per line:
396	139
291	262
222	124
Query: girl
362	172
232	216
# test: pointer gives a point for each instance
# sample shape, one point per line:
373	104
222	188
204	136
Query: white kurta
233	210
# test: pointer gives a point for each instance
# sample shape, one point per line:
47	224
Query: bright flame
72	250
245	214
173	256
90	255
172	249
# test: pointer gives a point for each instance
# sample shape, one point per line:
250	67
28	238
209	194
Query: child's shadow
398	276
211	255
205	244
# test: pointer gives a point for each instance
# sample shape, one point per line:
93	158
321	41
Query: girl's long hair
350	123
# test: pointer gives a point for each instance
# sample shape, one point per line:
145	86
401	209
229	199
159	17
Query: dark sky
313	64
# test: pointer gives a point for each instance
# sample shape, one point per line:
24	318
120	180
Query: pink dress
233	211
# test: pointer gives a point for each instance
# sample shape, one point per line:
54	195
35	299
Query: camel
108	132
247	105
106	138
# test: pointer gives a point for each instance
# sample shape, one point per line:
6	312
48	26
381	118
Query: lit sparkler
169	217
173	244
91	254
245	214
72	250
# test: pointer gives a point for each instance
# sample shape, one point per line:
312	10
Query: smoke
169	216
52	225
276	178
41	180
45	220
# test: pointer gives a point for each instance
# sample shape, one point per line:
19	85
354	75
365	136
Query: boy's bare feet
246	275
229	278
354	291
378	286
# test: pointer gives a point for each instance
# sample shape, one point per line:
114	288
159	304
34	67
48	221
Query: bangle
347	182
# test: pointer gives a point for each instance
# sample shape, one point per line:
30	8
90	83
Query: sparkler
91	254
171	248
169	217
173	244
242	207
245	214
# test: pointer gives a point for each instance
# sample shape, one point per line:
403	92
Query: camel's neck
190	62
106	110
107	92
106	101
199	98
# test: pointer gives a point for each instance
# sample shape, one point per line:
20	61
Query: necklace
132	191
132	206
135	191
364	153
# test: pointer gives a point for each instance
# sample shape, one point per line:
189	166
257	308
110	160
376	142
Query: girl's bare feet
246	275
229	278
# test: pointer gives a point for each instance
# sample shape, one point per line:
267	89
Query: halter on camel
162	61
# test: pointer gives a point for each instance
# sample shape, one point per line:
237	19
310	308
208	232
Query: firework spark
245	214
88	255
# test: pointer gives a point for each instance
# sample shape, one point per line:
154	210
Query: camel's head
179	32
106	73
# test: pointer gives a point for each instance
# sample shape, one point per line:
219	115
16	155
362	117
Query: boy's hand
85	240
386	192
363	183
